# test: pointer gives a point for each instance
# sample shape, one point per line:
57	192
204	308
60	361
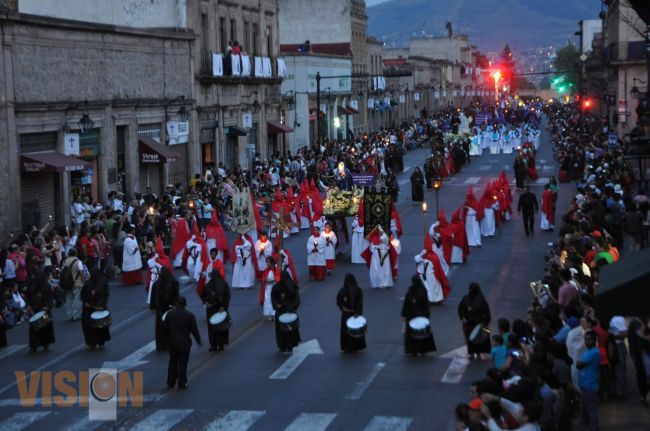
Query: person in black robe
416	304
94	296
39	298
285	299
163	297
350	302
417	185
216	297
474	310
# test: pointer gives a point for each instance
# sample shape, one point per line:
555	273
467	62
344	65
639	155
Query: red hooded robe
215	231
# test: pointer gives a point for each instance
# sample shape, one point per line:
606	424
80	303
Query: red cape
457	228
471	202
218	265
276	275
181	237
439	273
238	241
547	205
215	231
367	254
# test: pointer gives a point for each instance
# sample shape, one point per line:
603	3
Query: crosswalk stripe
11	350
236	420
161	420
548	168
485	168
542	180
472	180
388	423
311	422
20	421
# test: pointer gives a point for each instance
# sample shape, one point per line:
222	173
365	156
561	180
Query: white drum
357	326
164	316
420	327
288	322
220	320
39	320
100	319
479	334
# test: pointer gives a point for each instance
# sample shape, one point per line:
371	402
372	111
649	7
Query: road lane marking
161	420
132	360
456	369
20	421
299	354
485	168
472	180
542	180
388	423
357	393
114	329
311	422
236	420
11	350
15	402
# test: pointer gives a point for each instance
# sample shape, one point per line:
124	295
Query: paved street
379	389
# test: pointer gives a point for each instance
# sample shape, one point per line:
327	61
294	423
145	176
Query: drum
479	335
220	321
288	322
100	319
164	316
39	320
420	328
356	326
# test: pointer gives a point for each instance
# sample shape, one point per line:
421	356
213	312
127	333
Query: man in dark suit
528	207
180	323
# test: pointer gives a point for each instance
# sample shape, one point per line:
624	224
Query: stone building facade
84	109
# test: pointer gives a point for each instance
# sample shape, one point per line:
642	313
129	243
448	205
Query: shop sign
149	158
178	132
416	97
71	144
33	167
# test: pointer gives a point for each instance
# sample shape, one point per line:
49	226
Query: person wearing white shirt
618	330
77	212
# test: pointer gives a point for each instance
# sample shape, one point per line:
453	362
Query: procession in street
267	228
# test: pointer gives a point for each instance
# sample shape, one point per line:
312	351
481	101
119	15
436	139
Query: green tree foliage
566	63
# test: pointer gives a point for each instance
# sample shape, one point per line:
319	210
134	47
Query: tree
566	63
545	83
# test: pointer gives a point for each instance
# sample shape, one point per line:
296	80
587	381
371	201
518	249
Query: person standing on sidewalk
181	323
618	331
589	366
528	207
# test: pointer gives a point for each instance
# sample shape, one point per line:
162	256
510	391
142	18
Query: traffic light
586	104
561	89
496	75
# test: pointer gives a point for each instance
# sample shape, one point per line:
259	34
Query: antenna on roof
450	31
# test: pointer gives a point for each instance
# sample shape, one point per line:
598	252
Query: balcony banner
245	65
217	65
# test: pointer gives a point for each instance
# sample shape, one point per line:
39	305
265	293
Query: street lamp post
436	186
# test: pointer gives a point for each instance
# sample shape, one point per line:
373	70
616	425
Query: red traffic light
586	104
496	75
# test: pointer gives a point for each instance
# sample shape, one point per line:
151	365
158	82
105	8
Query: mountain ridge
524	24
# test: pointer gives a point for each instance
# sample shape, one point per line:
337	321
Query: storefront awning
347	110
236	131
274	128
51	163
153	152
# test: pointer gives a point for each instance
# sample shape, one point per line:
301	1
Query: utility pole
318	131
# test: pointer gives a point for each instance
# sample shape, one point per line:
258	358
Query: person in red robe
460	246
395	221
377	240
180	239
284	261
213	263
215	237
244	261
442	232
548	212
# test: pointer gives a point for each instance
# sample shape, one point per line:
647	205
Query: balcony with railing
625	52
217	68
